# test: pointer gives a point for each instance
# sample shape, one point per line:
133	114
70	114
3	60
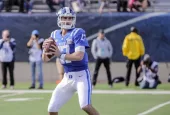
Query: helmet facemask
66	21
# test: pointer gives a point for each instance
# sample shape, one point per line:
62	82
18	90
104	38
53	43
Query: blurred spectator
103	4
82	4
51	3
7	58
133	49
77	5
35	52
28	4
145	4
1	5
150	70
134	4
10	3
102	51
138	5
122	4
167	66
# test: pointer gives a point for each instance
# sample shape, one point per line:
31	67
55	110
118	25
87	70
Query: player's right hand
45	43
33	37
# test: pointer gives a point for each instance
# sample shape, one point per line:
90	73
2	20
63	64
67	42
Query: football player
70	48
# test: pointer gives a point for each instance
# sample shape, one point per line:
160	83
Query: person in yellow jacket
133	49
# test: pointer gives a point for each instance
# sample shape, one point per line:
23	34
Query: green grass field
117	86
106	104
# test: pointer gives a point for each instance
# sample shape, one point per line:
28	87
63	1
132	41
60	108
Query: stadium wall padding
155	31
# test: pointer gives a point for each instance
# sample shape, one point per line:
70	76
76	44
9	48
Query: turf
119	86
106	104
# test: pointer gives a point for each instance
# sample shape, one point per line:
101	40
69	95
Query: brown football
48	46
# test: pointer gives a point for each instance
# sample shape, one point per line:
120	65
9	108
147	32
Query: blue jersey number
65	50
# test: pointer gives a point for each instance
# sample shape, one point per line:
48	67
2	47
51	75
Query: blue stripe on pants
89	87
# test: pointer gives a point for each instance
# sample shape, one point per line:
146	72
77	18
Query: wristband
62	56
44	51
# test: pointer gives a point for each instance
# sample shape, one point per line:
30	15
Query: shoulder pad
78	31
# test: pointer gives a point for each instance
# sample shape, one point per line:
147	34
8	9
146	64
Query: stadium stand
40	6
161	5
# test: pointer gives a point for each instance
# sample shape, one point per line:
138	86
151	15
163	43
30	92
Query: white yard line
156	92
154	108
10	95
128	22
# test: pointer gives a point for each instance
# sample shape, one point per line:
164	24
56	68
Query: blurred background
25	18
116	17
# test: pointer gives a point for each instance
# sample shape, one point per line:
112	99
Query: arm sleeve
94	49
1	43
52	34
28	47
156	68
80	39
12	43
40	42
125	46
110	49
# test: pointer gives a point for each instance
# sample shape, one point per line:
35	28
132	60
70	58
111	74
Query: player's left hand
54	50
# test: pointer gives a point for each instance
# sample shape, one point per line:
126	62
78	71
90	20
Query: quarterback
70	48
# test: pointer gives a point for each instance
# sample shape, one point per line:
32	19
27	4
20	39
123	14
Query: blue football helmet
66	18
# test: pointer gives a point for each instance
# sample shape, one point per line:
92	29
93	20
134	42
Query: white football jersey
35	52
6	53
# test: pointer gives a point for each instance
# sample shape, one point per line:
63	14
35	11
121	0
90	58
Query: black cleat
40	87
32	87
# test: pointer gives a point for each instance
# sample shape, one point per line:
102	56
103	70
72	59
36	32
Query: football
48	46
